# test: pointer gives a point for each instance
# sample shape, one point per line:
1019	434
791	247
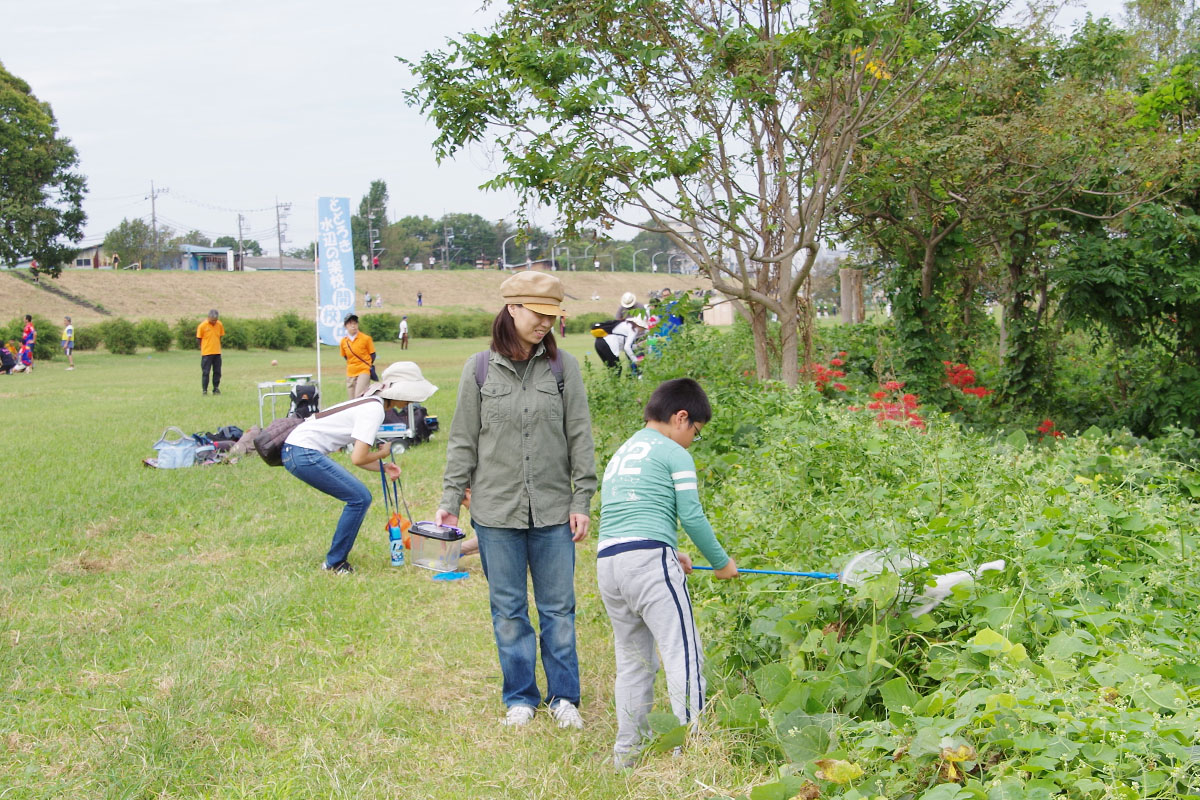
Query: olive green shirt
524	450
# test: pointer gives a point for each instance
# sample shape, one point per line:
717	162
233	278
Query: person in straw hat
306	449
628	301
521	440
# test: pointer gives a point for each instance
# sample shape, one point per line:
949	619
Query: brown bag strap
350	347
351	404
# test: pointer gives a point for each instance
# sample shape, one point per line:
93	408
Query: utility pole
154	219
373	236
241	250
447	235
281	212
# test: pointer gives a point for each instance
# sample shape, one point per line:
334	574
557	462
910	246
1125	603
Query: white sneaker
567	715
518	716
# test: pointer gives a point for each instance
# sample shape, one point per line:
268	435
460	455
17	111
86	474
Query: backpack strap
483	359
556	367
481	367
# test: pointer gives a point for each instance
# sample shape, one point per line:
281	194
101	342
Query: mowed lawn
168	633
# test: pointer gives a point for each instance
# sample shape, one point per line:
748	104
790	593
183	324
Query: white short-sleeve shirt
335	431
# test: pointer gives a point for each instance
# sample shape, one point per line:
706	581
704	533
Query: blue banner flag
335	253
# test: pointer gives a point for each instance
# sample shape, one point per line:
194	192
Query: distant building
196	258
288	264
89	258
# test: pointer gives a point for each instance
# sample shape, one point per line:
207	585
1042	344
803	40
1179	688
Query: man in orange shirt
359	351
209	333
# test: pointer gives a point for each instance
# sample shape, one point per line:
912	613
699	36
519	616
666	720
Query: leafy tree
1142	289
731	126
410	237
372	215
133	240
41	196
192	237
1167	29
299	252
969	194
249	246
470	237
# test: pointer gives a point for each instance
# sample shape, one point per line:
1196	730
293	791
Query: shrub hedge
277	333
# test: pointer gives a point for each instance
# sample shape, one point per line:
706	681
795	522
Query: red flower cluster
824	376
1047	429
894	407
962	377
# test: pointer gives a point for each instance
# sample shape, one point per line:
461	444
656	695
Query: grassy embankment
152	294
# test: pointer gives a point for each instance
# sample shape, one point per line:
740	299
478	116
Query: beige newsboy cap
537	291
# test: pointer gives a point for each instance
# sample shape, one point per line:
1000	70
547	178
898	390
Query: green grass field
168	633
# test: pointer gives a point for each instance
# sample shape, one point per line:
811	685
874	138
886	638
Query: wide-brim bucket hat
403	381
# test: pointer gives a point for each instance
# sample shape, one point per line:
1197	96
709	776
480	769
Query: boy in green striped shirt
649	488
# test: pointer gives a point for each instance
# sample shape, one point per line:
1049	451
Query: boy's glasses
697	437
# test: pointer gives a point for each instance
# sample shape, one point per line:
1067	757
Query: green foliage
268	334
133	241
582	323
1142	289
238	333
250	246
46	343
1031	678
185	333
193	237
120	336
154	334
446	326
41	196
88	337
303	329
372	214
380	327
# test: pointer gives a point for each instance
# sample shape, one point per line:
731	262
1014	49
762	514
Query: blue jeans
321	472
548	555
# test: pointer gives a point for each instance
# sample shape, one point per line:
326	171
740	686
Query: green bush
88	337
185	333
583	322
447	327
238	333
303	331
269	334
475	324
48	336
154	334
1032	675
120	336
380	327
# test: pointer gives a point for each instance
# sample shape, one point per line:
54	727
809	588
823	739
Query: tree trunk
853	311
789	343
758	327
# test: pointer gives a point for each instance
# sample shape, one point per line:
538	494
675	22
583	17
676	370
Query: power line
214	207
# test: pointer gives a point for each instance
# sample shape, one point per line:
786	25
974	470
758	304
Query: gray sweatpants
645	594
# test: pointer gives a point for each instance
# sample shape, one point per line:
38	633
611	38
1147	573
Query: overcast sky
228	105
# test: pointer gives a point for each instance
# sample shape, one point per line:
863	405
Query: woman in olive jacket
521	441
